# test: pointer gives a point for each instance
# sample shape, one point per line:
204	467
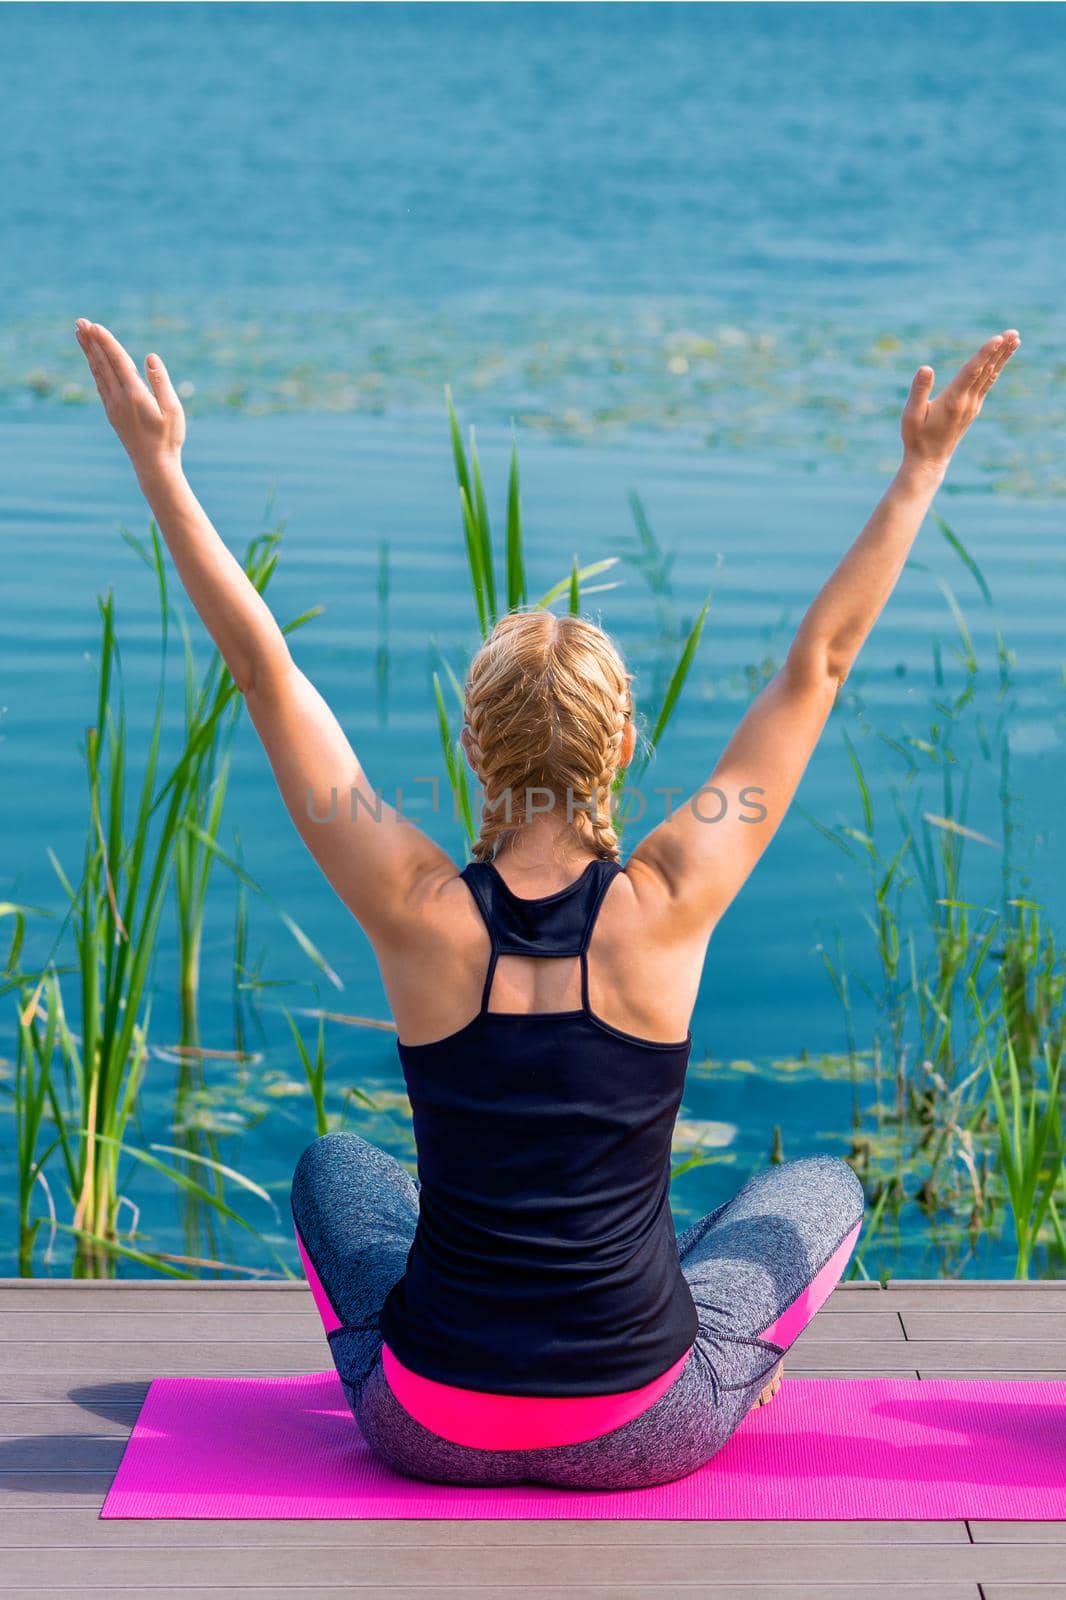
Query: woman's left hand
932	429
147	417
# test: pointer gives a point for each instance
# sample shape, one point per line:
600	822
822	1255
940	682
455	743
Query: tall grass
314	1068
1031	1147
76	1092
33	1102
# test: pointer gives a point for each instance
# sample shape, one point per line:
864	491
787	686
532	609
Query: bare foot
772	1387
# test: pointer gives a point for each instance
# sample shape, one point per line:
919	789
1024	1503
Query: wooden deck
75	1360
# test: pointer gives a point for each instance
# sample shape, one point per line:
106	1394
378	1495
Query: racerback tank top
545	1259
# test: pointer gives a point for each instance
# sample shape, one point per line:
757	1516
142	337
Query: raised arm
378	863
699	857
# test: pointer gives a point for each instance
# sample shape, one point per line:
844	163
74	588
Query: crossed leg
760	1266
355	1209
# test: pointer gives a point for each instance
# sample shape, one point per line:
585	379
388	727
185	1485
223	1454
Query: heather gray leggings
747	1263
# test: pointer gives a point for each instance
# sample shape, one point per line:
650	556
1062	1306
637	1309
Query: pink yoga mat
878	1449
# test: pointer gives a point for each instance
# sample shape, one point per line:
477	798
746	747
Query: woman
526	1313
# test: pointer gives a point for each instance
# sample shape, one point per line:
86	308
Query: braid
546	704
604	835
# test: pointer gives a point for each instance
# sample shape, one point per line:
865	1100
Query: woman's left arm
378	862
697	860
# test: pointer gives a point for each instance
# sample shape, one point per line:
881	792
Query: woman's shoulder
646	890
658	892
443	901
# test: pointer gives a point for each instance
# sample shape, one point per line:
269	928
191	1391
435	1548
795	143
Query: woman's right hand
931	429
147	417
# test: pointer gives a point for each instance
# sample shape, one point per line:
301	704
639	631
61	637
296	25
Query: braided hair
546	704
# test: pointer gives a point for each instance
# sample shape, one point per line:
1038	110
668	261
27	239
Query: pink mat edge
525	1502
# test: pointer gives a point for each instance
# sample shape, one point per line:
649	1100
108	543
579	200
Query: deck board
1046	1327
81	1527
697	1589
598	1560
71	1389
1022	1591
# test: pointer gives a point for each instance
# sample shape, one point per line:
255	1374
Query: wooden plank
872	1323
51	1296
92	1389
60	1286
58	1491
146	1294
234	1326
44	1529
112	1389
1020	1591
79	1388
1018	1533
960	1358
163	1327
601	1562
983	1285
798	1369
949	1357
76	1299
119	1359
1004	1374
130	1361
698	1589
267	1286
28	1421
970	1295
59	1452
986	1326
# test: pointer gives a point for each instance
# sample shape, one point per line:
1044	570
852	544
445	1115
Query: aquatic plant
33	1096
87	1083
1030	1135
314	1070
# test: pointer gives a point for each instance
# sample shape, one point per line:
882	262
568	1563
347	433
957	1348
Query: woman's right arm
698	859
378	861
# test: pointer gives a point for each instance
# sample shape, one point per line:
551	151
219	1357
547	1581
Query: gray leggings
355	1209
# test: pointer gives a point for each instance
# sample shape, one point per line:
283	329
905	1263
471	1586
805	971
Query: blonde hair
547	700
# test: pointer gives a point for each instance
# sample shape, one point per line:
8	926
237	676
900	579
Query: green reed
1029	1132
33	1093
314	1069
116	911
76	1093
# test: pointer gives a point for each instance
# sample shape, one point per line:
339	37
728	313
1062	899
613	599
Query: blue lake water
744	223
696	252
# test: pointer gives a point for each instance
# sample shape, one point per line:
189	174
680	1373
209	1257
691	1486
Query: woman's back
545	1259
645	958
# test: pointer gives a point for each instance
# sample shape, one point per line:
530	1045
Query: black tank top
545	1258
